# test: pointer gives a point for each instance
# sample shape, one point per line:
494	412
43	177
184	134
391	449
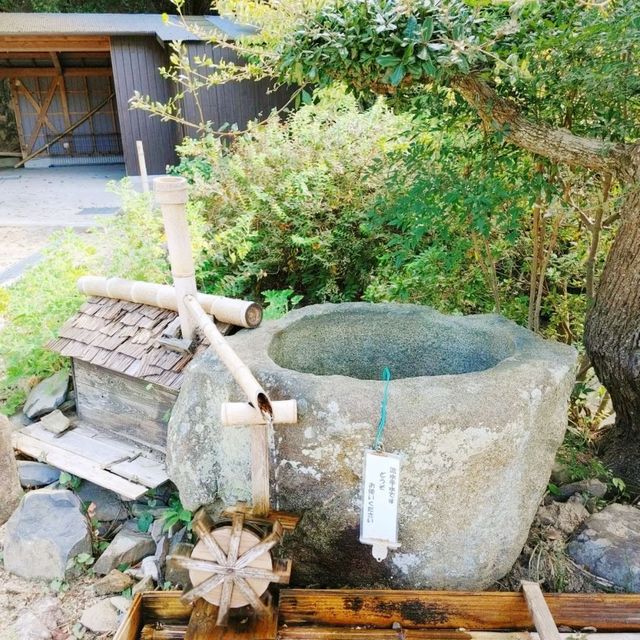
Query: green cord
377	443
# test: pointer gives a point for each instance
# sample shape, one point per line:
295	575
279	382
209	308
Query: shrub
286	201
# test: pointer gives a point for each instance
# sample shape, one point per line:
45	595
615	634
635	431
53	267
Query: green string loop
377	443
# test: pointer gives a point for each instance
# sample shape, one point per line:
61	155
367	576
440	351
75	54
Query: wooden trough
308	614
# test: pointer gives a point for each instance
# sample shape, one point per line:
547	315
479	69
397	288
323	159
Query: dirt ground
17	594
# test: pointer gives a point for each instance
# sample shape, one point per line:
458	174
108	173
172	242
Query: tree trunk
10	489
612	339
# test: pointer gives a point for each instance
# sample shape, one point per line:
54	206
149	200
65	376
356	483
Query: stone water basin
477	409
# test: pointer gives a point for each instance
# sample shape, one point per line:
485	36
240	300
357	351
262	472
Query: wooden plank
142	470
51	72
260	469
542	618
135	62
164	632
350	633
81	442
132	624
243	624
54	43
123	404
337	633
166	607
81	467
441	609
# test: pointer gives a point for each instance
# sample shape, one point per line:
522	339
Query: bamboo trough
350	614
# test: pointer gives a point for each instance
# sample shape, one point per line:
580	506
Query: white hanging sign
379	518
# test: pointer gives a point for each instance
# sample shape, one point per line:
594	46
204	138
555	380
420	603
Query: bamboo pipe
233	414
237	312
238	369
171	195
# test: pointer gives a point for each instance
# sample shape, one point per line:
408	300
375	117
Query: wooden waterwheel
231	565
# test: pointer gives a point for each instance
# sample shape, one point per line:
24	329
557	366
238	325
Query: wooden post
142	164
10	488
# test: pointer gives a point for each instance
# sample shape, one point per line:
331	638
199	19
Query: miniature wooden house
125	380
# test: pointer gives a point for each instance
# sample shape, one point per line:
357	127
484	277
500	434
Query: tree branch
559	145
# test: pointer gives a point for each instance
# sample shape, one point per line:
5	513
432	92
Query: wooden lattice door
67	115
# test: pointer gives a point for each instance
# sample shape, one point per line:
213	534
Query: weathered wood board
92	455
395	615
122	404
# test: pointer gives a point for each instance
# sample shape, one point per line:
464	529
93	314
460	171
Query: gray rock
146	584
114	582
121	603
149	568
477	409
39	620
36	474
560	474
174	573
592	487
609	546
55	422
101	617
47	395
128	547
565	517
47	530
109	507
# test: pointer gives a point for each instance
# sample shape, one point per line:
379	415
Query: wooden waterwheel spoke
196	564
203	588
262	547
225	600
253	598
205	534
234	540
262	574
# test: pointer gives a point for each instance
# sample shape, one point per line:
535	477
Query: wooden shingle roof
122	336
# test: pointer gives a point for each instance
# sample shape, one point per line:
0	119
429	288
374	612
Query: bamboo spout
242	414
238	369
171	195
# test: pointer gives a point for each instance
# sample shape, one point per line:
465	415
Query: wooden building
72	76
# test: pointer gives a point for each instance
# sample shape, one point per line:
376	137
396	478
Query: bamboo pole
142	164
240	313
233	414
171	195
238	369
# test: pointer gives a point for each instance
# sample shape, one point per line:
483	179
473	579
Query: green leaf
427	29
388	61
144	521
397	75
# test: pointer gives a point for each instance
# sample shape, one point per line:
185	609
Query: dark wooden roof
122	336
121	24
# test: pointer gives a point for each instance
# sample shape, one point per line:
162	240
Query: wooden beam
441	609
54	43
56	61
48	72
42	117
15	103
